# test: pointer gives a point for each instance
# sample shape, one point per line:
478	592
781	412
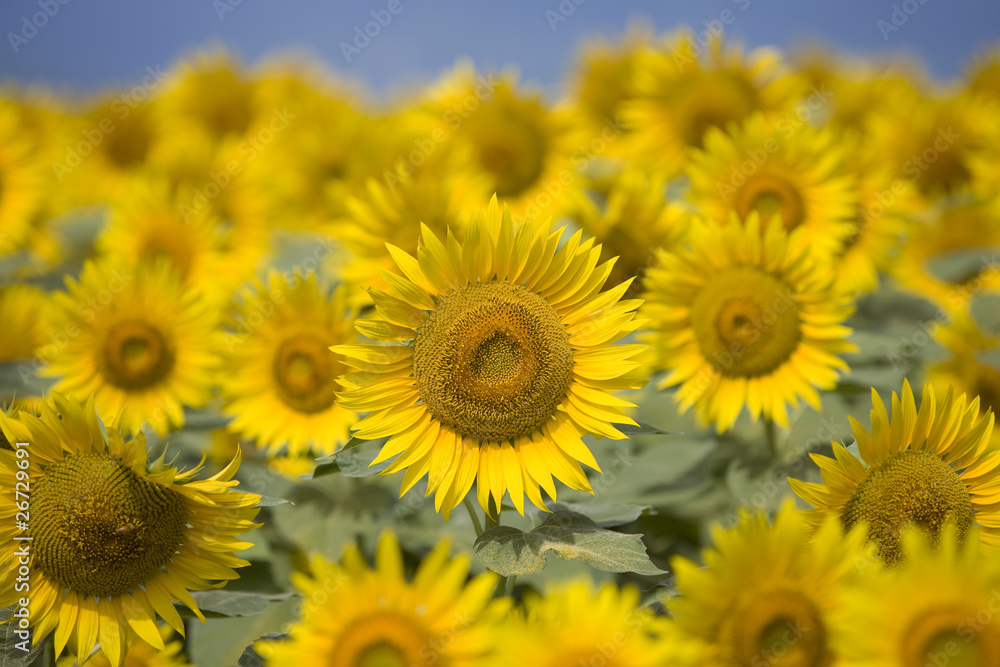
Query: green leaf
352	464
226	604
605	515
250	658
643	429
40	655
985	311
269	501
509	551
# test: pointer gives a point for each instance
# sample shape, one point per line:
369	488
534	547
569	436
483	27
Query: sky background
89	46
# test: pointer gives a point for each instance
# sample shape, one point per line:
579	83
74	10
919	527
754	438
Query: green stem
508	589
472	513
772	438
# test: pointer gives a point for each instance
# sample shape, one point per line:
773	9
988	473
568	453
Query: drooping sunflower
768	596
781	170
358	616
682	89
937	608
280	376
115	540
25	312
576	625
745	318
497	357
137	339
923	468
20	184
140	654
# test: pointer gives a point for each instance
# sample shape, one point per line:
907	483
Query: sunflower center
99	528
136	355
908	487
493	361
384	639
946	636
781	629
770	196
305	374
173	248
130	143
513	151
712	100
746	322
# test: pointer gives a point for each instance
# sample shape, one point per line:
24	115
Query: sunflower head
499	356
923	468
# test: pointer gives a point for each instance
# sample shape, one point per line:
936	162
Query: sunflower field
694	366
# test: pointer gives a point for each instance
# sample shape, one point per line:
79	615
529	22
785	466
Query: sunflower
136	339
25	312
633	221
114	540
21	184
513	138
498	357
983	74
768	596
280	376
682	89
574	625
965	342
355	616
140	654
921	468
745	318
938	608
779	170
969	231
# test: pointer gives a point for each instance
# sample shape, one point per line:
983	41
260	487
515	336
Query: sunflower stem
475	517
772	438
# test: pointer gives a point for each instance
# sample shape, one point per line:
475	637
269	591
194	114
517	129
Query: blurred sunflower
279	374
498	356
25	311
935	609
778	170
140	654
355	615
632	221
745	318
983	74
574	625
682	89
137	340
21	184
964	368
768	596
521	146
115	540
923	468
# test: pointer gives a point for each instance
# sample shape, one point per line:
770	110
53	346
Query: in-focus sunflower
921	468
745	318
574	625
778	170
356	616
937	608
140	654
768	596
682	89
114	540
20	184
137	340
280	376
498	356
25	312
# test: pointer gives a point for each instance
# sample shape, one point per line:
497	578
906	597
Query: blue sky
87	46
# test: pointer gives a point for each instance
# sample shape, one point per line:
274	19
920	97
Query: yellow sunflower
745	318
921	468
768	596
682	89
781	171
140	654
115	540
357	616
25	311
964	342
575	625
940	607
970	229
21	184
280	376
497	355
137	340
983	74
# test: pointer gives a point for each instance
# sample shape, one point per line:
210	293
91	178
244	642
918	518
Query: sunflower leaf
643	429
605	515
225	604
352	464
509	551
251	658
270	501
14	652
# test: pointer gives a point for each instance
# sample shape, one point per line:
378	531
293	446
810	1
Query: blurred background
86	46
